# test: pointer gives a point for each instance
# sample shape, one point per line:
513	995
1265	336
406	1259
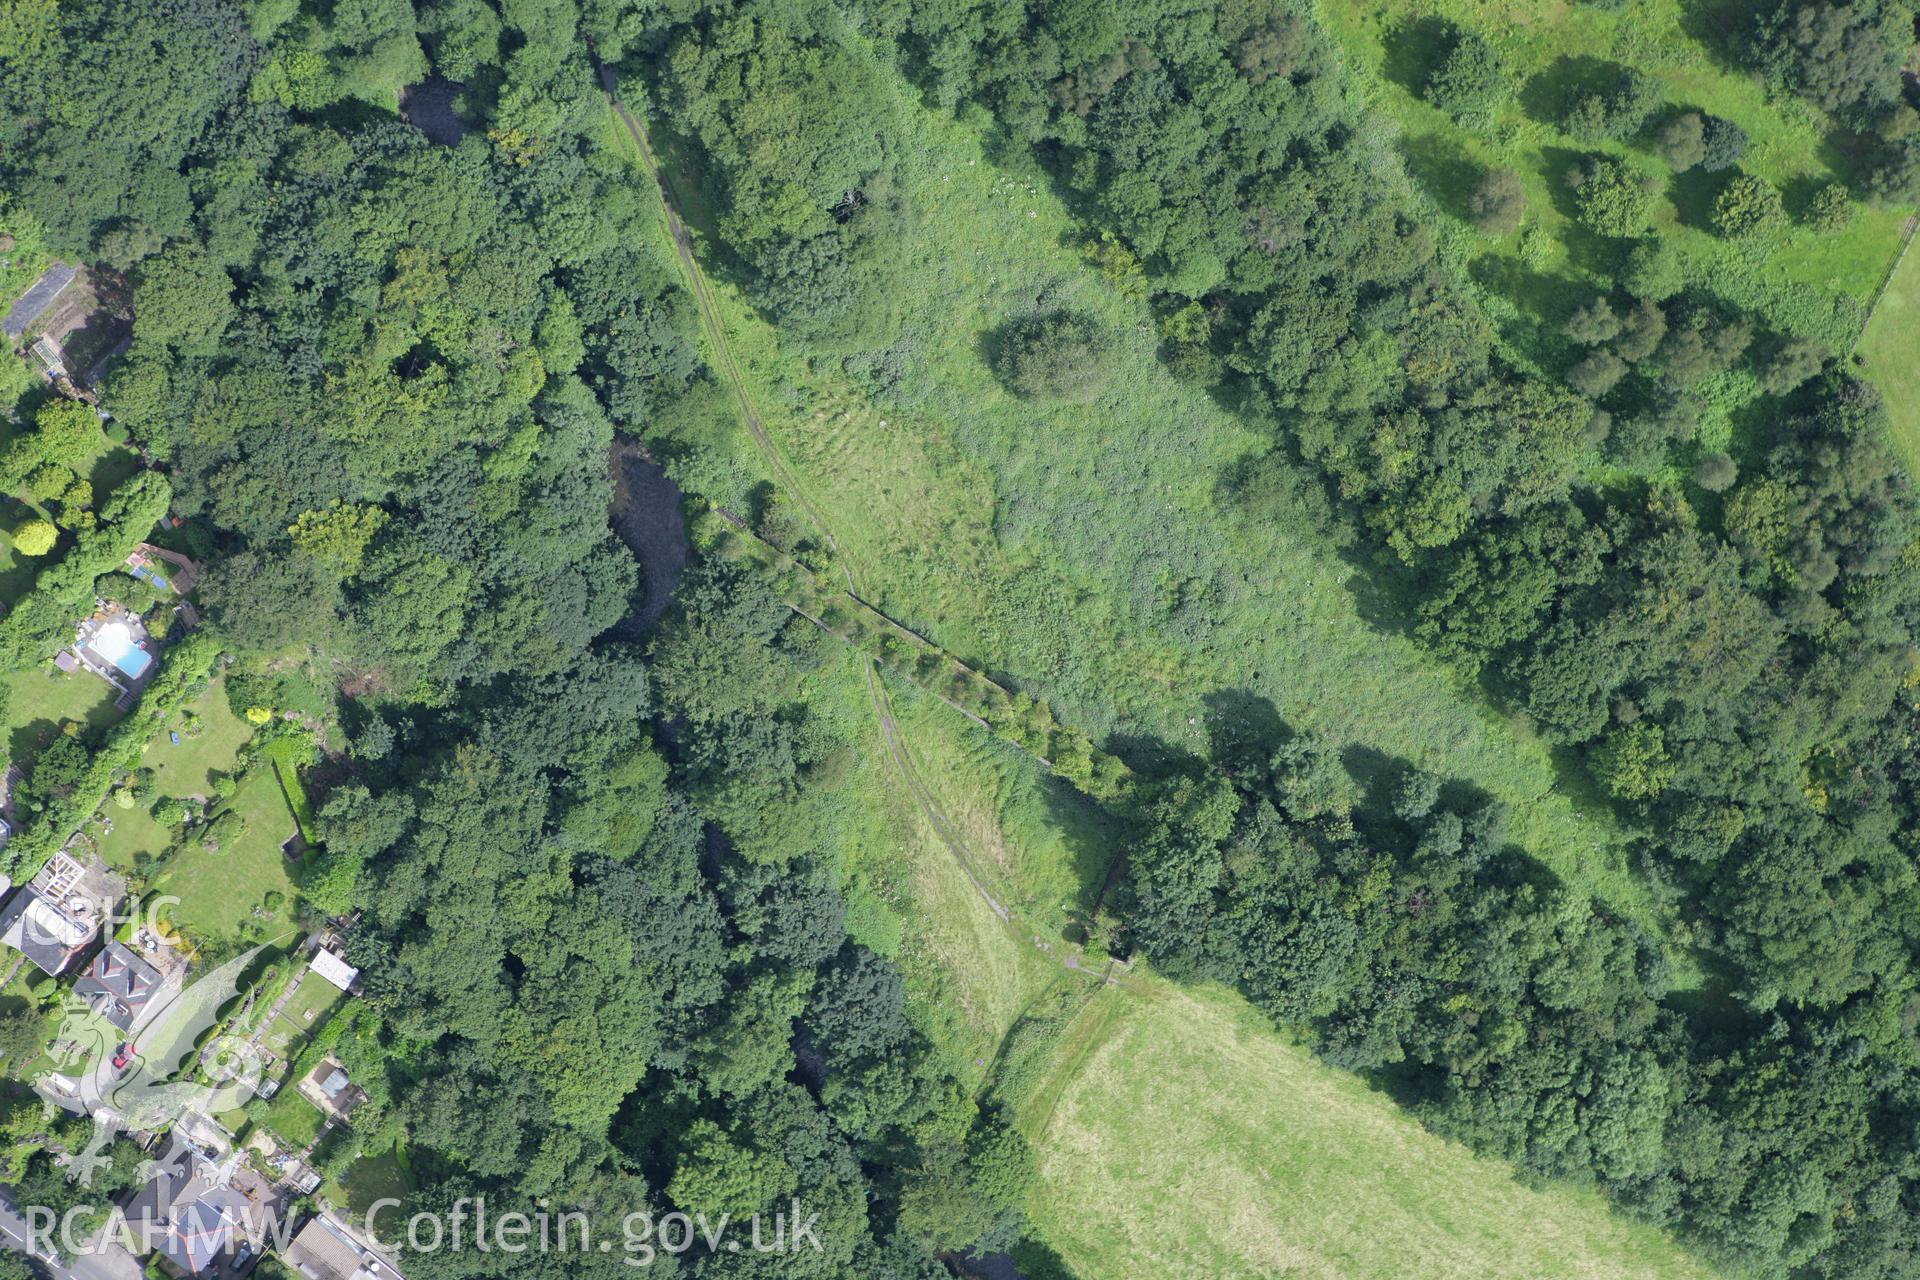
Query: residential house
56	915
187	1212
44	930
118	985
328	1088
161	569
330	966
327	1249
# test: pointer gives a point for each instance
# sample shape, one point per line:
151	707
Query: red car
123	1056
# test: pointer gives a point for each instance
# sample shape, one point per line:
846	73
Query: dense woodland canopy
382	376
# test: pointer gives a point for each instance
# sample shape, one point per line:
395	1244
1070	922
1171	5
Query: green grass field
370	1178
41	698
1889	358
1179	1135
305	1012
292	1118
1079	552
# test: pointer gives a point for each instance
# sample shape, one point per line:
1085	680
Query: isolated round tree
1498	202
1747	206
1611	198
1061	355
1468	79
1653	270
35	537
1716	473
1830	209
1682	141
1725	143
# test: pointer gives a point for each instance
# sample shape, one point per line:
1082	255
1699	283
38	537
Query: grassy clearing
1182	1136
291	1118
1887	355
1798	279
1039	847
304	1013
1078	551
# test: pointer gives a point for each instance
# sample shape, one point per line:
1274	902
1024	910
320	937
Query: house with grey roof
118	985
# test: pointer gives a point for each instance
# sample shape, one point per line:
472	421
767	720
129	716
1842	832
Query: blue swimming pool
115	643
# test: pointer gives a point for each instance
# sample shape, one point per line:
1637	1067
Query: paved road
111	1262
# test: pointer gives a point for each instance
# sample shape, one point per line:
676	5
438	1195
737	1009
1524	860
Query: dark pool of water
646	516
429	108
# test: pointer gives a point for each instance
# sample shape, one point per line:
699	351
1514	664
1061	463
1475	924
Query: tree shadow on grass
28	740
1386	594
1095	839
1577	782
1151	756
111	470
1797	194
1037	1261
1544	299
1693	192
1550	93
1412	48
1444	168
1243	728
1719	26
1378	775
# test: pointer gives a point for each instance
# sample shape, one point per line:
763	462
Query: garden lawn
306	1011
292	1118
186	769
42	697
1891	361
219	892
372	1177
